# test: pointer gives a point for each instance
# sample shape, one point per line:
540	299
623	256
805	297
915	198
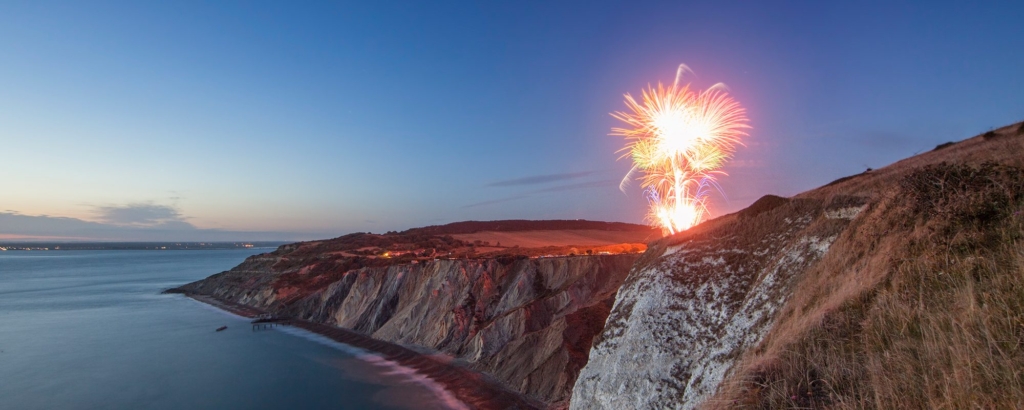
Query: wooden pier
267	321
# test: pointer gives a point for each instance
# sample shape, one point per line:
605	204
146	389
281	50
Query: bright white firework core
679	139
678	131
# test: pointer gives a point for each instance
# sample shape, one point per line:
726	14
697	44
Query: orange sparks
679	138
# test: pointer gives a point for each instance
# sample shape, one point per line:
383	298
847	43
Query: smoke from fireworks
678	139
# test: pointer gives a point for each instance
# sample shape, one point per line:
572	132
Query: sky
261	120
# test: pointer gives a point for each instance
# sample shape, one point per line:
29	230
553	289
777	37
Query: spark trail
678	139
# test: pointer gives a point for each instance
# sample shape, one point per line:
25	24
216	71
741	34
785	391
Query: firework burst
678	139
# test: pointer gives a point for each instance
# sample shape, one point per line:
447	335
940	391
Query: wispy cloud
579	185
558	188
134	222
496	201
142	215
540	179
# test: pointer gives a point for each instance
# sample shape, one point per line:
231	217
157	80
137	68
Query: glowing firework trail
679	138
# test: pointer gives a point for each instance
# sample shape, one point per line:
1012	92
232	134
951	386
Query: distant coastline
133	246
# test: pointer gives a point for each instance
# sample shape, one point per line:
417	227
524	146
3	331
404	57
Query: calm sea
90	330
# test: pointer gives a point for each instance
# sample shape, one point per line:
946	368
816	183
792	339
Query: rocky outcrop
528	322
695	302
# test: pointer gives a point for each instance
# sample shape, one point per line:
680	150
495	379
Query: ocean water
90	330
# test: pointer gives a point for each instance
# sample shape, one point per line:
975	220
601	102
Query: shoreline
475	390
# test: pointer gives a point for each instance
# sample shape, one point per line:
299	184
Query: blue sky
313	120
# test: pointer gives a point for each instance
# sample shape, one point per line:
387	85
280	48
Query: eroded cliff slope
527	321
895	288
692	305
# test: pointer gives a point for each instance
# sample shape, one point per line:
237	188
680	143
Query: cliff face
895	288
527	322
691	306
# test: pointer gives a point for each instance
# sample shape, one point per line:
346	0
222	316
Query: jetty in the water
266	321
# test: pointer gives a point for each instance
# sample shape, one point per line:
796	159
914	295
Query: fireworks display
678	139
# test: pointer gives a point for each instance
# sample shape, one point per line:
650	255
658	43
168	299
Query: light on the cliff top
678	140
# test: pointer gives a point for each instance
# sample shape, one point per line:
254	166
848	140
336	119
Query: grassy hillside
918	304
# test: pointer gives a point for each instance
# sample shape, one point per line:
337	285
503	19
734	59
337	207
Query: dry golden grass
1004	146
918	304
